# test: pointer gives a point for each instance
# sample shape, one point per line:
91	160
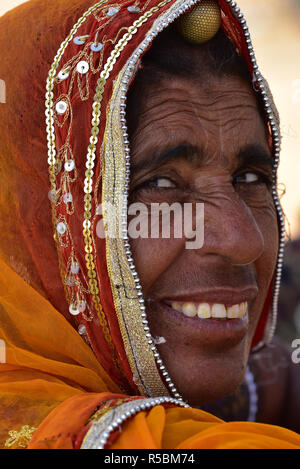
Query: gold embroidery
137	344
126	300
20	439
92	280
106	407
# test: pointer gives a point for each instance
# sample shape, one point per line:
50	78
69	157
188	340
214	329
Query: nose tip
232	231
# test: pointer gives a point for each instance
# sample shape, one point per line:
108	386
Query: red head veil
89	160
92	281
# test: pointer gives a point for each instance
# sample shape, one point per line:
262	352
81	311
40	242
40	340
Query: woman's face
205	145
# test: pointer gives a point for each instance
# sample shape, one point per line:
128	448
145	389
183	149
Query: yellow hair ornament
202	23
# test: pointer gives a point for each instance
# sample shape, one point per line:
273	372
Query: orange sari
62	374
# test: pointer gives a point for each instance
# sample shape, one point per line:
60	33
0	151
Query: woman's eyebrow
255	155
161	156
250	155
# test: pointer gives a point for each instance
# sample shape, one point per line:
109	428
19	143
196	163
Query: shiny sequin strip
150	374
100	431
50	121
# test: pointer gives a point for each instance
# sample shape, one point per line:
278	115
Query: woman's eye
156	187
158	183
163	183
251	178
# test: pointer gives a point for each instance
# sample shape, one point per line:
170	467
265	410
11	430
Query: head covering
66	117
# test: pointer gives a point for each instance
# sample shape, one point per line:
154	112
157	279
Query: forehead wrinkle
165	121
169	103
226	112
219	93
195	107
212	93
230	124
221	111
172	110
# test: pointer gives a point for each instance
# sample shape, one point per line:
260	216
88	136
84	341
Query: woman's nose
231	231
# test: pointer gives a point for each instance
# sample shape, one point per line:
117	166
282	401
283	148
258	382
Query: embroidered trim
99	433
20	438
108	406
129	303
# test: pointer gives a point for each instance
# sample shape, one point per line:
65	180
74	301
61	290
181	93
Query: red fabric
83	109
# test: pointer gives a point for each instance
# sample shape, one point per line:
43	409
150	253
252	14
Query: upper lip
221	295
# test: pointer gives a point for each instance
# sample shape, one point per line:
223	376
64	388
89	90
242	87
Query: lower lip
208	331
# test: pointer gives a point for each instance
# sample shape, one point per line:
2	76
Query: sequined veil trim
124	288
129	304
62	233
100	431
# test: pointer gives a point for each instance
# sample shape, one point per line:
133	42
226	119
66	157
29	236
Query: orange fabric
194	429
47	363
61	428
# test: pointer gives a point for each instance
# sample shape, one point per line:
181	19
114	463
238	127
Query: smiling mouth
205	310
217	319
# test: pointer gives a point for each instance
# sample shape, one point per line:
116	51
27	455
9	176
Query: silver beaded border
275	128
100	431
88	184
158	27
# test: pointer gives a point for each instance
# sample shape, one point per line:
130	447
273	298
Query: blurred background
275	32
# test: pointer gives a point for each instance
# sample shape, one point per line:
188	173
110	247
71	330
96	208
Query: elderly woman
115	338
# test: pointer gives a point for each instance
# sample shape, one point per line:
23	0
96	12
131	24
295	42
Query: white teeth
206	311
176	306
218	311
233	311
243	309
189	309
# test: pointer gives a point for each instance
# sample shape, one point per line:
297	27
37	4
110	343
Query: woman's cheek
152	256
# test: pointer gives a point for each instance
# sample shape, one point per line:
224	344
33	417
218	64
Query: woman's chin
206	379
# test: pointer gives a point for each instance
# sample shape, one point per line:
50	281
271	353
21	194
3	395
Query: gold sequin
105	408
20	439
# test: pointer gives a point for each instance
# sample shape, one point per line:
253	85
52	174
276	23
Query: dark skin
210	146
278	386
